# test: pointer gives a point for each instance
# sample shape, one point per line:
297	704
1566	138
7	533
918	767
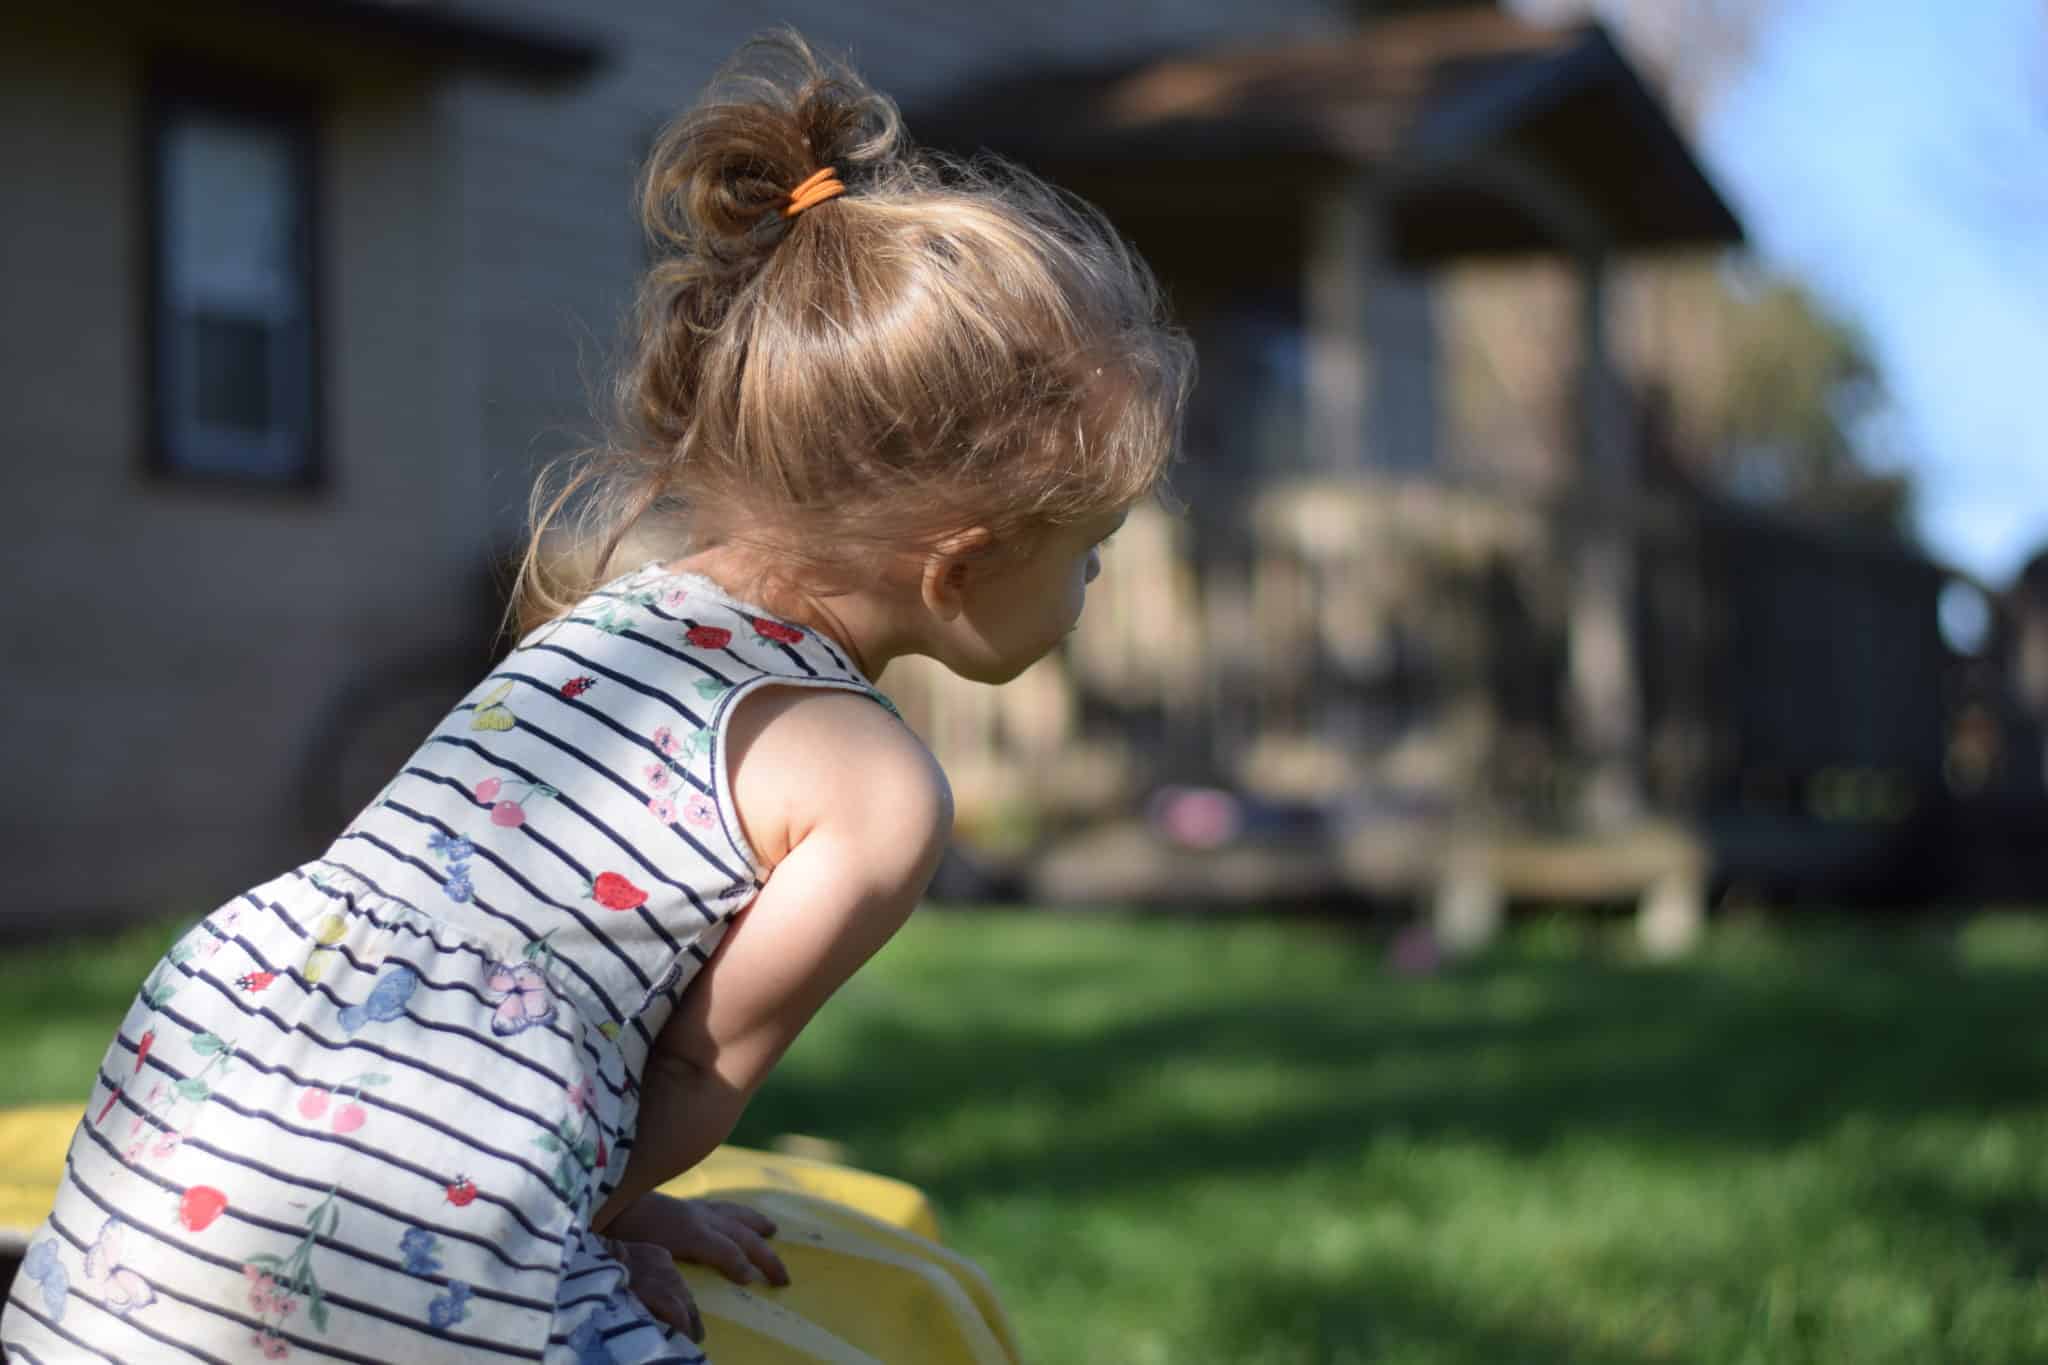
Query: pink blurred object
1197	817
1414	952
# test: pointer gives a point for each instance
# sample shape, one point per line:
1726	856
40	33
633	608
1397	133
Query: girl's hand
730	1238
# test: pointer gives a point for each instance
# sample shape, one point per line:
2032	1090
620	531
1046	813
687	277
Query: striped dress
364	1111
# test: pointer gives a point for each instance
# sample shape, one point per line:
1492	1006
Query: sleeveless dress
365	1111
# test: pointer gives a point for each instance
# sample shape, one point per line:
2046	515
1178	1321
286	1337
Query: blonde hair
948	344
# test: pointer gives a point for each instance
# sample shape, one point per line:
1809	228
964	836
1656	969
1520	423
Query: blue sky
1893	155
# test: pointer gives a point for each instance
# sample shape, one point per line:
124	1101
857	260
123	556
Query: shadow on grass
1520	1056
1673	1057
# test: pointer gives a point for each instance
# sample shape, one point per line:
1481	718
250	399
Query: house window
231	306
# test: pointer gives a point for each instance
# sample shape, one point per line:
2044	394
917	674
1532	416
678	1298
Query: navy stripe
647	1324
752	617
234	1158
590	713
400	923
474	992
395	1058
597	992
529	831
330	1243
852	674
24	1352
648	642
321	988
650	1325
55	1330
523	883
337	1300
247	1007
468	1139
610	674
617	780
576	968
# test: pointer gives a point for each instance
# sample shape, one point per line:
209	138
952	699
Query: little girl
407	1103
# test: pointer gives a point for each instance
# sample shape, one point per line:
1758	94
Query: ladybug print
576	687
255	981
461	1190
614	892
776	631
708	637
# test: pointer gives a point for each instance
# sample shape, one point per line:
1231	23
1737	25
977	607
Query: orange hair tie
820	186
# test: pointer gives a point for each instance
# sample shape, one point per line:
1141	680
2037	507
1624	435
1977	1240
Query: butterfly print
42	1267
525	1000
123	1290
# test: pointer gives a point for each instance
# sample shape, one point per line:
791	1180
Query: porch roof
454	34
1241	130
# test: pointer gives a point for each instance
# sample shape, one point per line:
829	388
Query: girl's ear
949	566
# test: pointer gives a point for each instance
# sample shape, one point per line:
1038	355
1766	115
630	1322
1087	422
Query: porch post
1343	251
1606	710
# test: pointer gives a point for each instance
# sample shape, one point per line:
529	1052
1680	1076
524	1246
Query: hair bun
718	178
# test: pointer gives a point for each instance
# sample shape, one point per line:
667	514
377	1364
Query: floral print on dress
668	799
698	812
383	953
450	1308
167	1100
278	1283
455	851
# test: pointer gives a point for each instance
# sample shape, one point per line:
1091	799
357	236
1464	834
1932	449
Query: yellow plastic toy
870	1281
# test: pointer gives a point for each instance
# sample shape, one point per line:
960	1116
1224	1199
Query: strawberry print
615	892
461	1191
576	687
776	631
199	1206
708	637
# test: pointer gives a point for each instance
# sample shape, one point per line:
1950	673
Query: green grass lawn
1244	1141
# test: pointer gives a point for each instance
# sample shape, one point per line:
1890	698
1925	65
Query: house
303	293
299	296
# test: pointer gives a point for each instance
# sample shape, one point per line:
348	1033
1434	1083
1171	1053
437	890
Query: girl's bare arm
864	813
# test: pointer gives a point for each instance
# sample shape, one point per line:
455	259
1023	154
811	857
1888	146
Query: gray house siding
171	649
169	643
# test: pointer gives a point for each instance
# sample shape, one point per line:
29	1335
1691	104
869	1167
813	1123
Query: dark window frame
175	83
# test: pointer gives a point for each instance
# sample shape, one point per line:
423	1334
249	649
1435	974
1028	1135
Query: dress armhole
721	776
